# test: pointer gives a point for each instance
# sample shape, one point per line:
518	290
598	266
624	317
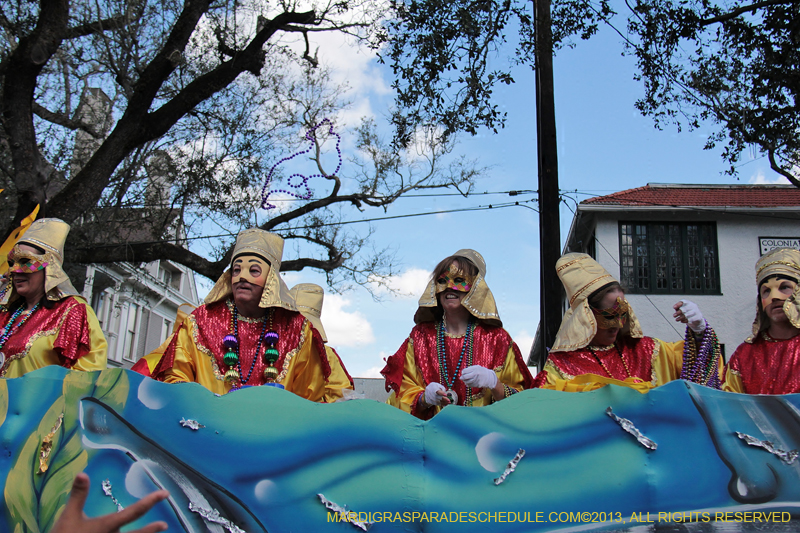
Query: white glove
692	313
431	398
479	376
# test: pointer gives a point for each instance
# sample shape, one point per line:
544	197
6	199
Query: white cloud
350	63
374	372
407	285
292	278
425	138
525	341
774	179
345	328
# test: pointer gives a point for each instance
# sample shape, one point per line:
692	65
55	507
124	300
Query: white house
137	304
665	242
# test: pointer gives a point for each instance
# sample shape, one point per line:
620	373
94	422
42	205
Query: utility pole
550	302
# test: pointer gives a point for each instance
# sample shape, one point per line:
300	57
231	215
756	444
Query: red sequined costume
767	366
67	335
634	360
762	364
416	364
196	352
644	360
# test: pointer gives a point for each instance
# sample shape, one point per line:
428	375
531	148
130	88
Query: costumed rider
458	353
600	340
43	318
249	331
768	361
309	298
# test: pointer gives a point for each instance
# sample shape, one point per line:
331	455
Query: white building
137	305
669	241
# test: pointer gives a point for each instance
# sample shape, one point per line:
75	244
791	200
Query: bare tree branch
143	253
26	62
65	121
190	137
780	170
100	26
744	9
137	126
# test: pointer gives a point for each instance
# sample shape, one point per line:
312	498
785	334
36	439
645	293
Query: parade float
681	457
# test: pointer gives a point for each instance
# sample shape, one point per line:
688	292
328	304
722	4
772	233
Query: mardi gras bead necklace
6	285
701	366
441	353
10	328
232	358
271	354
600	361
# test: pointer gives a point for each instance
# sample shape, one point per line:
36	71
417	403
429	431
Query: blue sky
604	145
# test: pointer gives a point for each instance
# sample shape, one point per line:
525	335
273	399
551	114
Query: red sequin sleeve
393	371
73	339
167	360
540	380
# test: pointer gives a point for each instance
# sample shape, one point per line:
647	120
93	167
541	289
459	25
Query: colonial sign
767	244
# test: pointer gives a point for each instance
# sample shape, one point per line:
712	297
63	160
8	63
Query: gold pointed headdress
309	298
785	262
479	301
49	234
255	241
581	276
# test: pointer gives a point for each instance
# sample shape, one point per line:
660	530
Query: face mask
25	262
612	317
775	289
250	268
454	279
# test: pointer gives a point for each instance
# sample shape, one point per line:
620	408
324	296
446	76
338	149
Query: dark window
669	258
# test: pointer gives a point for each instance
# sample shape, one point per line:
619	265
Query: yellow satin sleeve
301	372
153	358
304	375
338	380
733	382
668	362
41	352
413	383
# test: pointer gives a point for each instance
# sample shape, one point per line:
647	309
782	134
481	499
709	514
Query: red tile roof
703	195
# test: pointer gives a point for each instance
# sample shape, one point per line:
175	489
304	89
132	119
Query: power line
253	203
341	223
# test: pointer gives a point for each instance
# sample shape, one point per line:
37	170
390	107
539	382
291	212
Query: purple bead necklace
311	136
701	365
